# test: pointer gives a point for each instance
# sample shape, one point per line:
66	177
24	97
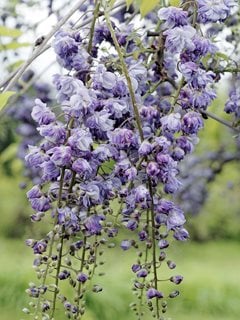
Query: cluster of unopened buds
109	156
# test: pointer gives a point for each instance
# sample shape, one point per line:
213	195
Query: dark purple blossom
50	171
93	224
41	204
163	244
173	17
196	77
35	192
136	267
142	273
192	123
181	234
82	167
82	277
153	293
176	279
63	275
39	247
122	138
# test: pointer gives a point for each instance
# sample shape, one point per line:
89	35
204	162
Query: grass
210	289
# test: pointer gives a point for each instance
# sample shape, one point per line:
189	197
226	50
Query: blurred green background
209	262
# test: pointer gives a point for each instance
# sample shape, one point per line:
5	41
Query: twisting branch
220	120
42	46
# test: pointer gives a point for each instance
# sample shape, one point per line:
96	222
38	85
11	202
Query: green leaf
147	5
4	98
15	65
9	32
174	3
222	55
14	45
107	166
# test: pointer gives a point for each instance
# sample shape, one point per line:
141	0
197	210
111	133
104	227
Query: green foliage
9	32
4	97
147	6
174	3
210	290
14	45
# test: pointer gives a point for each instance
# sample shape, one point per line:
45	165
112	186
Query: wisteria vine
130	103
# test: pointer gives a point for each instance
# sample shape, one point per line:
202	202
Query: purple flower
171	264
136	267
50	171
80	139
213	11
65	47
192	123
100	121
130	173
179	38
41	114
196	77
82	277
145	148
104	79
142	235
35	192
202	47
35	157
152	169
171	123
63	275
93	225
184	143
178	154
67	86
132	225
142	273
55	133
173	17
91	194
68	218
176	279
175	218
41	204
181	234
61	156
141	194
39	247
82	167
163	244
153	293
126	244
122	138
162	144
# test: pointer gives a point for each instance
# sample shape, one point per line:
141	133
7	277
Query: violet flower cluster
109	157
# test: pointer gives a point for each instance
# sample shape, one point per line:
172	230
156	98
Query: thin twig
42	46
220	120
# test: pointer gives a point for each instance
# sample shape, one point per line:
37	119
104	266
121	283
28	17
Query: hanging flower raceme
109	157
